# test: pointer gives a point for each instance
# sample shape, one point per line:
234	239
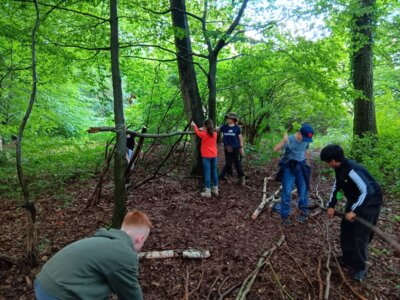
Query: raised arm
282	143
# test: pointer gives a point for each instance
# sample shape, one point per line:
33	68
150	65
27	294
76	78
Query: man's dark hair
332	152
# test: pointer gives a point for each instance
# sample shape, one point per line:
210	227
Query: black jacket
359	187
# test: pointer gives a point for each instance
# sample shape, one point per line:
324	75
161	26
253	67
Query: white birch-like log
188	253
264	199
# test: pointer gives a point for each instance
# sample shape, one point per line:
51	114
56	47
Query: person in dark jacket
295	171
233	147
93	267
364	199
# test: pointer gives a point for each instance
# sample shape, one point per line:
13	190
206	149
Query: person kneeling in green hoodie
93	267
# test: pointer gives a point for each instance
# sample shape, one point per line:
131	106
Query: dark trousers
232	157
354	238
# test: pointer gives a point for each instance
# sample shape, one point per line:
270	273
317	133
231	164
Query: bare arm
282	143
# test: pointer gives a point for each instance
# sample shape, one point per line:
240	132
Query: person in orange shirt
209	155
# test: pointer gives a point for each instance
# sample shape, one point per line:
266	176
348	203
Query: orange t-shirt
208	143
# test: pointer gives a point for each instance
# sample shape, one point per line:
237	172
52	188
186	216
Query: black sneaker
286	221
359	275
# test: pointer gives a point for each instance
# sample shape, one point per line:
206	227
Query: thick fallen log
248	282
188	253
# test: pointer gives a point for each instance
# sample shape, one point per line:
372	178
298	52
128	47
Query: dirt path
222	225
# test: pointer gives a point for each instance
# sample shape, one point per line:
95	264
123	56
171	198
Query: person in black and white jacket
364	199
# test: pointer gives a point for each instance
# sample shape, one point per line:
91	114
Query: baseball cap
307	132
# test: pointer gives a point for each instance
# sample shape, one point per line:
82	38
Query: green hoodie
92	267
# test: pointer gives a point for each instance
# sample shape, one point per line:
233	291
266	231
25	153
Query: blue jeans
210	168
291	177
41	294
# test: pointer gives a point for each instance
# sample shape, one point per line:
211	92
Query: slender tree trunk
187	75
31	238
212	88
362	69
120	162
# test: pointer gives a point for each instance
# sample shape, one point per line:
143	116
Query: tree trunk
32	253
120	162
213	57
212	88
187	75
362	69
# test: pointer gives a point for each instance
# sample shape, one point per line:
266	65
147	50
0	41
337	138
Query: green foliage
49	163
43	244
381	157
279	78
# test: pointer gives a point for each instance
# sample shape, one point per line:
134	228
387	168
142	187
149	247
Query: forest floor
222	225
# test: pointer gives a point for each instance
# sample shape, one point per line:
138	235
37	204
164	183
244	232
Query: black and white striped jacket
359	187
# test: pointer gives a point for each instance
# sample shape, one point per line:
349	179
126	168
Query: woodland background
160	64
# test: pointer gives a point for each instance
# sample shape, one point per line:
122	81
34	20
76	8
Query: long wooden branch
384	236
249	280
138	134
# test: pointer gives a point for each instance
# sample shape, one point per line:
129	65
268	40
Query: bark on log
188	253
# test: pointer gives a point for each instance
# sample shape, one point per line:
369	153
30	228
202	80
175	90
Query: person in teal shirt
94	267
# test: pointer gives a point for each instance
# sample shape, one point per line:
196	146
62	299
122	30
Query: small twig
212	286
321	283
281	287
328	260
290	254
249	280
200	280
228	291
346	282
186	297
222	284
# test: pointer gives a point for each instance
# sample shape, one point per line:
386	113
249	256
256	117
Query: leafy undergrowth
222	225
